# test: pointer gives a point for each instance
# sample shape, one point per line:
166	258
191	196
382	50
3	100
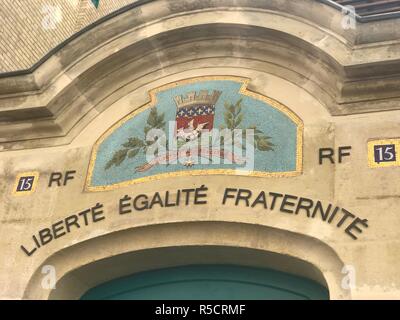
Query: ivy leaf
118	158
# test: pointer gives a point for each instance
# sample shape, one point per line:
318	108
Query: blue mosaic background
256	113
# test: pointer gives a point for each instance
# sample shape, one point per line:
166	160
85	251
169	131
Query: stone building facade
313	193
31	29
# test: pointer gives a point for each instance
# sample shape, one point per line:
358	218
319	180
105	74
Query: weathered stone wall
367	193
342	84
30	29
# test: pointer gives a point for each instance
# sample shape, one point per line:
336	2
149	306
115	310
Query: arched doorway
249	254
209	282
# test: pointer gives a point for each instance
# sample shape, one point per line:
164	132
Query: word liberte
201	147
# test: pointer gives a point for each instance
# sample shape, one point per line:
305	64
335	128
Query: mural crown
197	98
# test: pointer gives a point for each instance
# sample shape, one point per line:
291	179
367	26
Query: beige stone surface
31	28
50	120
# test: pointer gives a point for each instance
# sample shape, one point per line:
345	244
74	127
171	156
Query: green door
208	282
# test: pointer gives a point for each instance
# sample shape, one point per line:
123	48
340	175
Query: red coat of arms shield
194	113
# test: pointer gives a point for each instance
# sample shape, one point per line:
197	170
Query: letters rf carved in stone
199	126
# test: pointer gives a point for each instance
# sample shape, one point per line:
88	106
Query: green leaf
118	158
233	117
228	118
264	145
230	124
160	120
239	110
154	119
239	120
133	143
133	153
146	130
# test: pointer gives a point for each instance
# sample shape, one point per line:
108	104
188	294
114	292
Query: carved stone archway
87	264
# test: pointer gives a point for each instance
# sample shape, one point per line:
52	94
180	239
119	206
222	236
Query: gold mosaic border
371	155
153	101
